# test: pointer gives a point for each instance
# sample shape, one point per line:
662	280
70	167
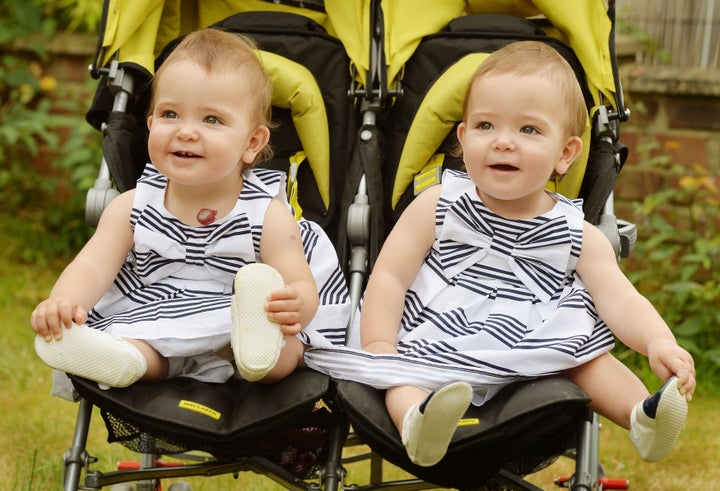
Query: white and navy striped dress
495	301
174	290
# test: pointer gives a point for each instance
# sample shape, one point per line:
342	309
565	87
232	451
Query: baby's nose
504	140
187	131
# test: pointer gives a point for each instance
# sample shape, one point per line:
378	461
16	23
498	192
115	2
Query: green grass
36	429
690	466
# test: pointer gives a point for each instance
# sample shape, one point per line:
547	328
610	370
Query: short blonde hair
219	51
533	58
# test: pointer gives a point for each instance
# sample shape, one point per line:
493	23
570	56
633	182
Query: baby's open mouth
187	155
504	167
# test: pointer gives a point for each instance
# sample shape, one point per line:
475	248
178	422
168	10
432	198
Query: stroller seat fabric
422	123
229	420
523	428
310	105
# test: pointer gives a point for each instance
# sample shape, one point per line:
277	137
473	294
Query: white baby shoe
256	342
655	422
428	427
94	355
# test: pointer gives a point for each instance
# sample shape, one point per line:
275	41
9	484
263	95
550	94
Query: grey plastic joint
97	199
609	227
358	260
621	234
628	237
358	224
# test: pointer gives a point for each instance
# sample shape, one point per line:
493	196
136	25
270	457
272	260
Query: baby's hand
667	358
52	314
283	306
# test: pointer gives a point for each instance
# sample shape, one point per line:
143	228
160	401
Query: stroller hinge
118	78
604	128
608	120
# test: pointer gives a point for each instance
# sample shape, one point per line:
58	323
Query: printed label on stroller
199	408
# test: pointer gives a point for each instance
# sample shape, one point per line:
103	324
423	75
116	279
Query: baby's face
515	135
201	130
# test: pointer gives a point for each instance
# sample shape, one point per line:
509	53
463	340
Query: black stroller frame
546	418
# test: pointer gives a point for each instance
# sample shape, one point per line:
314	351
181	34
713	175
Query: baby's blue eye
169	114
528	130
212	120
484	125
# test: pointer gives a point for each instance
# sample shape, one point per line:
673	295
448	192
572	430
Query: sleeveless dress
495	301
174	290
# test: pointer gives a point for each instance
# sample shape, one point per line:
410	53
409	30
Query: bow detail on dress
192	252
535	251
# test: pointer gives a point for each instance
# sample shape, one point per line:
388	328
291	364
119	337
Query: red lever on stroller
126	465
603	483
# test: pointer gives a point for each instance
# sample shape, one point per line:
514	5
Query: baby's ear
460	132
571	151
257	141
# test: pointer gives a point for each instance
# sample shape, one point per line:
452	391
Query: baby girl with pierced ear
489	278
204	251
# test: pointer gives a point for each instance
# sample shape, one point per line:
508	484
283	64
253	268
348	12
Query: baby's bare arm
628	314
89	275
280	247
397	265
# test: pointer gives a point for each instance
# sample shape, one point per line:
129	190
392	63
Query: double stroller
366	100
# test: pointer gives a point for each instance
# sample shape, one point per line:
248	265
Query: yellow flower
26	93
688	182
48	83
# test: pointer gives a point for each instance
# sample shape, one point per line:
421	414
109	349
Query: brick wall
64	72
69	57
675	114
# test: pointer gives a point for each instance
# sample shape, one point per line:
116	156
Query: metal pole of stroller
332	472
75	458
621	234
148	461
121	84
358	223
586	460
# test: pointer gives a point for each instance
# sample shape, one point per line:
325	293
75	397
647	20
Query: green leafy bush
677	261
75	15
39	121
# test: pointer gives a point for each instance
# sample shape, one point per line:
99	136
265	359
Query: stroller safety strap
292	184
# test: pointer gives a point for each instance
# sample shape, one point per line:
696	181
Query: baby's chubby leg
99	356
654	421
399	400
157	364
613	387
290	358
